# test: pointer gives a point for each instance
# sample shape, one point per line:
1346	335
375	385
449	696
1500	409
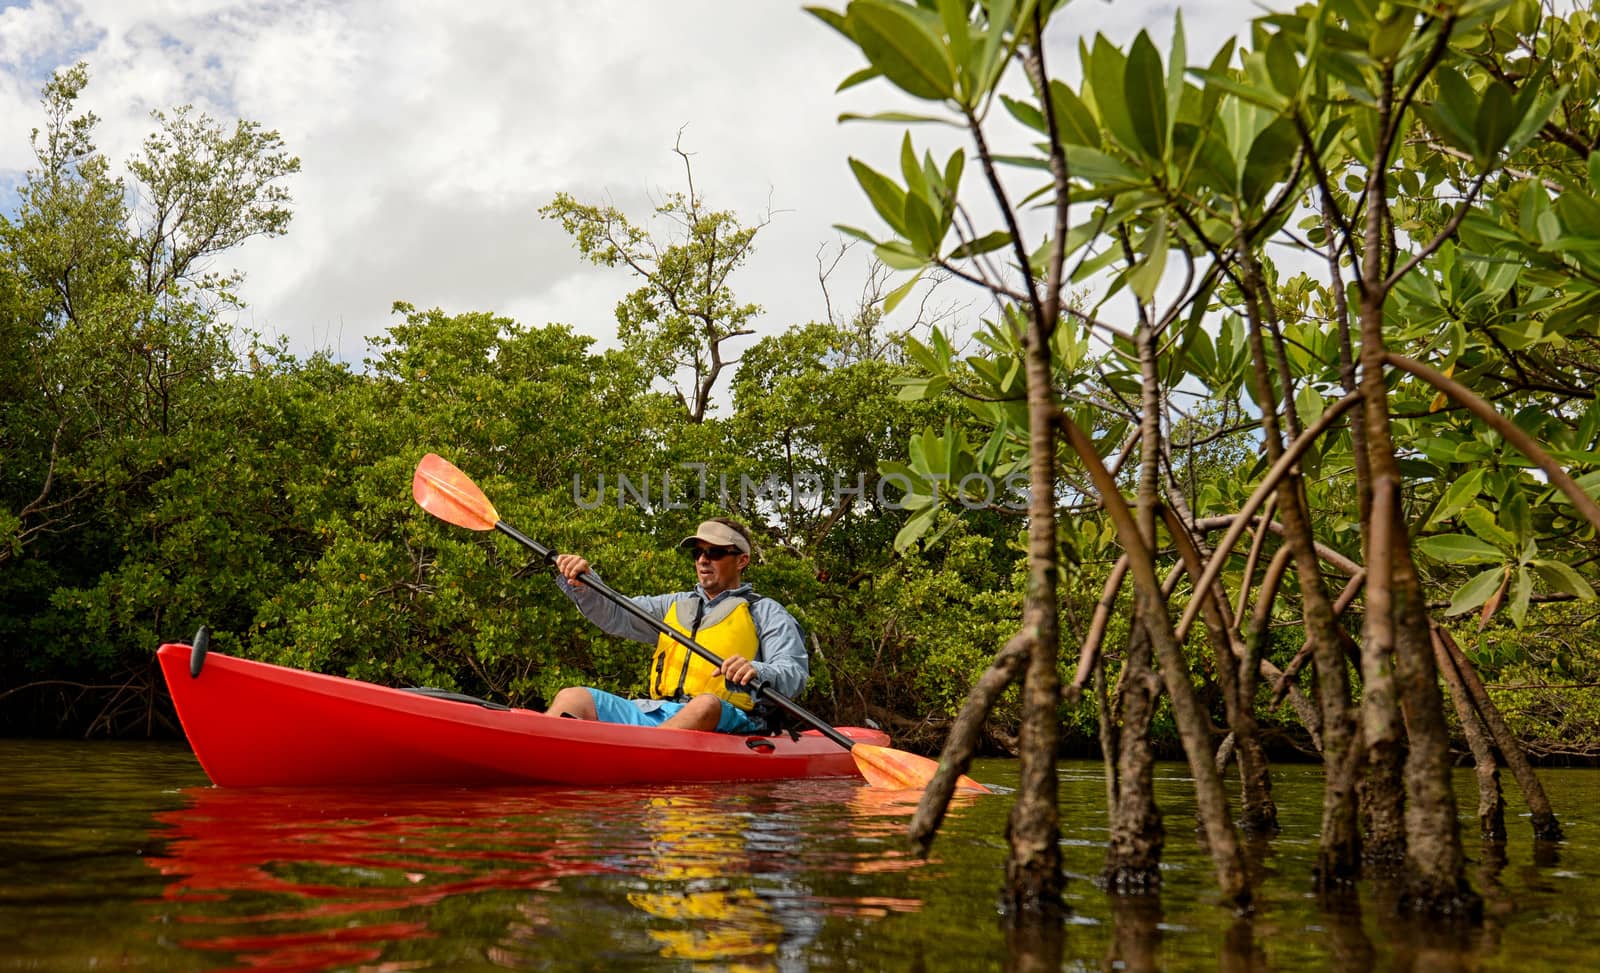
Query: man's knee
703	712
574	701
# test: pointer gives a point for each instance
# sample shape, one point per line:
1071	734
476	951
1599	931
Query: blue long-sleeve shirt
782	661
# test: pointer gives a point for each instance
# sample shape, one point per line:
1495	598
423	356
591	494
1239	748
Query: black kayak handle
197	651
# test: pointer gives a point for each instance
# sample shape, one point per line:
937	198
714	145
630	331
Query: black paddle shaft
626	604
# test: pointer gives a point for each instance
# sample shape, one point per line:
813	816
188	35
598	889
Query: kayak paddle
450	495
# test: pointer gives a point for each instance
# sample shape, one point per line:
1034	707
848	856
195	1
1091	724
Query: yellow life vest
725	629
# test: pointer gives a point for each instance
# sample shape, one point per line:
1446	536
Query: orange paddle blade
447	493
883	767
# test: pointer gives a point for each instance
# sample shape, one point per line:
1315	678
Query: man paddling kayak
757	638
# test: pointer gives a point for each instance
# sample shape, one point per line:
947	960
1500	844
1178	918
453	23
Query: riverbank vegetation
1372	223
1321	306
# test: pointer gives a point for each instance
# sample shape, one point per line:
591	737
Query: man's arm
610	617
784	664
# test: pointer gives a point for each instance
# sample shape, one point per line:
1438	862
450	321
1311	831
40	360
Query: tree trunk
1137	537
1397	630
1396	643
1211	800
1382	788
1491	803
1137	835
1338	853
1034	878
962	740
1133	858
1258	813
1545	825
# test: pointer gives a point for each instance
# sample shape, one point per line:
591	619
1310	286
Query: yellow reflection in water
692	849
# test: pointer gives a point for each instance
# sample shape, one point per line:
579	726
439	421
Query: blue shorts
610	708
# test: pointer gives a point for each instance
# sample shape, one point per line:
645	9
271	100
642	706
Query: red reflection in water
337	857
323	878
310	951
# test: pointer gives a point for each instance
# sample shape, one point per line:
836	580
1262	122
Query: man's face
718	568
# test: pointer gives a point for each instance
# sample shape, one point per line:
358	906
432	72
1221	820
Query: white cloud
431	132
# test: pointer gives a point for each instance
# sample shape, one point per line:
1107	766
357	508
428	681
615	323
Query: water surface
122	856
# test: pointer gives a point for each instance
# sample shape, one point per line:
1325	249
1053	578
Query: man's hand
570	566
738	670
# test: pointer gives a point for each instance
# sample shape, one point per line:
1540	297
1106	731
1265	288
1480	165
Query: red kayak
257	725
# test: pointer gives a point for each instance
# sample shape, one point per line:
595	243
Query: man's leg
700	713
573	701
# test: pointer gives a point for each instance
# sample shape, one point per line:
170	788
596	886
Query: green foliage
203	192
1466	129
677	323
161	473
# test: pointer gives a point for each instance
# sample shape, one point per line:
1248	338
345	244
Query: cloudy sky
431	132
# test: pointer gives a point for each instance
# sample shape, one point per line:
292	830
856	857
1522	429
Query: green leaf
1144	94
1439	449
1145	276
1477	591
922	226
1098	168
900	117
953	14
994	53
1209	96
932	456
1589	483
1177	58
1309	404
1563	577
926	358
1580	218
911	390
884	193
1496	121
1521	594
1457	498
898	256
1515	515
830	17
953	168
914	528
904	44
1250	93
1268	160
1540	104
1025	161
1282	67
911	170
1105	69
859	234
1459	549
1074	121
1454	110
1093	265
985	244
857	77
1386	43
1482	523
900	293
1026	112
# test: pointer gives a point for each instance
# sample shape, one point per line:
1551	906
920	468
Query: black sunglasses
713	553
